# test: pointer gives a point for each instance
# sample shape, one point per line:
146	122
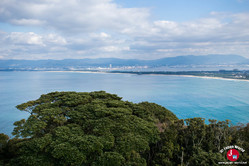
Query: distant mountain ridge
115	62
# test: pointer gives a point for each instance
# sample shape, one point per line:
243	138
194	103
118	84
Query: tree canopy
97	128
100	129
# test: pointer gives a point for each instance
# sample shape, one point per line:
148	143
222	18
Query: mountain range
67	64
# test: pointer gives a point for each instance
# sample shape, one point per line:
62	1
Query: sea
187	97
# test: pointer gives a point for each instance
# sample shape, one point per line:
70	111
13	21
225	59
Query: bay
187	97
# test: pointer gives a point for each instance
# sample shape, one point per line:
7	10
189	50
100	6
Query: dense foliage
98	128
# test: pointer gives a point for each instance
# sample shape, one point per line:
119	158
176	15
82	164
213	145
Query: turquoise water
187	97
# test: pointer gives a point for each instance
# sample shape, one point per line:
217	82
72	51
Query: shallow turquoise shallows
187	97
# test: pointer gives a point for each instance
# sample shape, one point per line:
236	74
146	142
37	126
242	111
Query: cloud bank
102	28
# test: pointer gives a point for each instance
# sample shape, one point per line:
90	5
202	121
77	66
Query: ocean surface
187	97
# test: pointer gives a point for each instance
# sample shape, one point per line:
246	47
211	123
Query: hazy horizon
72	58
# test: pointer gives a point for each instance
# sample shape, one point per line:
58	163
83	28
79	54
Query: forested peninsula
100	129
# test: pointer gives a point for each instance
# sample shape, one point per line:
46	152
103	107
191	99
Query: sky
127	29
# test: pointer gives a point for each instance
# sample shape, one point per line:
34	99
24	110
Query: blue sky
187	10
141	29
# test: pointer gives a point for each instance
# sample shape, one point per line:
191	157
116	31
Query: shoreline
203	77
217	78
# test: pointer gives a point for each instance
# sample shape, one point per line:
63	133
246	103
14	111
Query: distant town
222	66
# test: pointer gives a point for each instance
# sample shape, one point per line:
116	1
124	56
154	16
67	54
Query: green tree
97	128
3	148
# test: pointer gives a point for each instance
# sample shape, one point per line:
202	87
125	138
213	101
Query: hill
69	64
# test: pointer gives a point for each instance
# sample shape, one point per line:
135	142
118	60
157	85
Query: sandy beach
218	78
204	77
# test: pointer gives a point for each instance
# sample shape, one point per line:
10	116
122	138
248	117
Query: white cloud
114	49
97	28
25	38
29	45
74	16
232	26
33	22
100	36
220	33
55	39
31	38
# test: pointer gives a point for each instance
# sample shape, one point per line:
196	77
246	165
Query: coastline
217	78
203	77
